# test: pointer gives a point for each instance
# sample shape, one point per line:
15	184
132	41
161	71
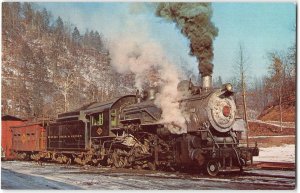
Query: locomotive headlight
228	87
226	111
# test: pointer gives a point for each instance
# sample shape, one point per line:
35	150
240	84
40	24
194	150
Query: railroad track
275	165
250	179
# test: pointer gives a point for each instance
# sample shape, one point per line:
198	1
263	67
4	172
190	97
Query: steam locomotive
127	132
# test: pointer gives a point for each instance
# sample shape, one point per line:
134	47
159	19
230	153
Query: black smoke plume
194	21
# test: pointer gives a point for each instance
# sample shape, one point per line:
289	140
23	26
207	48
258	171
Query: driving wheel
213	167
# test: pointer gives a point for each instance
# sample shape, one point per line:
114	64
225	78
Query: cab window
113	117
97	119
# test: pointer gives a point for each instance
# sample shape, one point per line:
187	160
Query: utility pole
280	105
245	107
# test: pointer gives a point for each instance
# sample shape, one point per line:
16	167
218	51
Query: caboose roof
10	118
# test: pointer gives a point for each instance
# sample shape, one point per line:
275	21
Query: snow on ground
285	153
30	175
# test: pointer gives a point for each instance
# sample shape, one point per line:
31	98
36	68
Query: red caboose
6	140
28	139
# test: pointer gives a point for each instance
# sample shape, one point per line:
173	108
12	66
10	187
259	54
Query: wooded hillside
48	67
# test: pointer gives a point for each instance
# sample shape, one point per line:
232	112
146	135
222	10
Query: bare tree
241	66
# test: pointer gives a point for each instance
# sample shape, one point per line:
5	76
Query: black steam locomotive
127	132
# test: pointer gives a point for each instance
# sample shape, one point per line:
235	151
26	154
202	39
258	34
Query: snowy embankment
275	123
284	153
270	136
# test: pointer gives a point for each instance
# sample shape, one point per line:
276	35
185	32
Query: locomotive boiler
128	132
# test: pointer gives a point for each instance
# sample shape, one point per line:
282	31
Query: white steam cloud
136	52
137	55
172	116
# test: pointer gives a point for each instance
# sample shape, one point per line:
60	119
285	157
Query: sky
259	27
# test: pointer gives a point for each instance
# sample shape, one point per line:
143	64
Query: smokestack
207	82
